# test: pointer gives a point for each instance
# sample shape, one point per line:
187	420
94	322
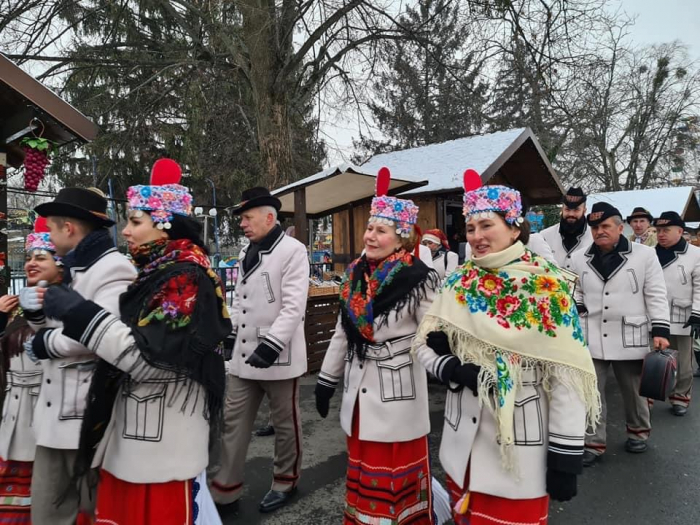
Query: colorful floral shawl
368	295
507	312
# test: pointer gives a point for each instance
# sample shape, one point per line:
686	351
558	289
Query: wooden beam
351	233
301	221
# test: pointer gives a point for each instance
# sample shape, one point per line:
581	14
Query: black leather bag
658	374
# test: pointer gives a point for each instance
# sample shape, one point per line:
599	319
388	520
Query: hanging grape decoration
36	160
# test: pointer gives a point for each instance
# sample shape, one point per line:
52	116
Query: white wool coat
563	257
682	277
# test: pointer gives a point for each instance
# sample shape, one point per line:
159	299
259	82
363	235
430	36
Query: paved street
661	487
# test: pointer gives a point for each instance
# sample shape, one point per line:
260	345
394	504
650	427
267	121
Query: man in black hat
269	354
622	298
572	235
78	221
640	221
681	265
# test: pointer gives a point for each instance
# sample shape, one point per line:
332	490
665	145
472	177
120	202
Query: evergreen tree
431	89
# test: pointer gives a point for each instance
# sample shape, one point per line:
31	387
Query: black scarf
91	248
570	233
192	351
252	254
668	255
607	263
407	288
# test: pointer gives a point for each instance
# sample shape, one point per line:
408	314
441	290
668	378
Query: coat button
360	367
245	297
244	282
474	420
606	307
242	355
243	341
607	293
48	404
242	326
16	397
243	311
364	390
605	320
48	381
605	335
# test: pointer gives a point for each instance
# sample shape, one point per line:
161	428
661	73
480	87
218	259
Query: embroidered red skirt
387	483
485	509
123	503
15	495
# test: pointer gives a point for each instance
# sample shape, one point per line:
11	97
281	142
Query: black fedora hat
79	203
254	198
640	213
669	218
574	198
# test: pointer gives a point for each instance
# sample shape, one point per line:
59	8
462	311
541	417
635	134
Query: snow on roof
317	176
443	165
656	200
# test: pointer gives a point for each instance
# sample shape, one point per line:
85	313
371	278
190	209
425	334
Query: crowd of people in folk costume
121	406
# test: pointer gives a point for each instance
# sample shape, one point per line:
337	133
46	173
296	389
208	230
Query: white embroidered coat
563	257
682	277
270	306
546	424
623	310
62	398
445	263
390	386
17	440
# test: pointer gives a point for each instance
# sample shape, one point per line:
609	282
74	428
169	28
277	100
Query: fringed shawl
370	295
508	312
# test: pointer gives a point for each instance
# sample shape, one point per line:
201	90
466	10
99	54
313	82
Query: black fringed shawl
178	318
368	295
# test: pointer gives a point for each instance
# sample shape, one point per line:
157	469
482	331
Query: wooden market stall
29	108
339	188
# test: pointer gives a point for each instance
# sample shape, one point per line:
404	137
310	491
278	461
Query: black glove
561	486
60	300
582	310
467	375
263	357
694	323
323	399
439	342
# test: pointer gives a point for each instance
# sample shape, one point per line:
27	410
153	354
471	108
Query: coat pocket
396	379
285	357
75	385
635	330
144	407
267	286
680	310
634	284
527	417
682	275
453	408
34	396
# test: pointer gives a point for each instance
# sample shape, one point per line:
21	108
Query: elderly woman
444	260
23	380
504	335
384	409
160	381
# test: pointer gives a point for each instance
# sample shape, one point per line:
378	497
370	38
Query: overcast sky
665	21
658	21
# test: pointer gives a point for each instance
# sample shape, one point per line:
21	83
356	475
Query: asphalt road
660	487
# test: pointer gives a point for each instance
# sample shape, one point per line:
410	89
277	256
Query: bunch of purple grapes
35	163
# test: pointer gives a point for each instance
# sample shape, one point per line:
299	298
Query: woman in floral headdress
160	382
22	378
505	337
384	408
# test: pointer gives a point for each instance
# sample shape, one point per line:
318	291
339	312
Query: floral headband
164	197
39	240
485	200
392	211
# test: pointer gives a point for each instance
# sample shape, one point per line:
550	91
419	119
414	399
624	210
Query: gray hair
617	220
269	209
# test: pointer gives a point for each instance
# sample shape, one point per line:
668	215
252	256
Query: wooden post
351	233
5	270
301	223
